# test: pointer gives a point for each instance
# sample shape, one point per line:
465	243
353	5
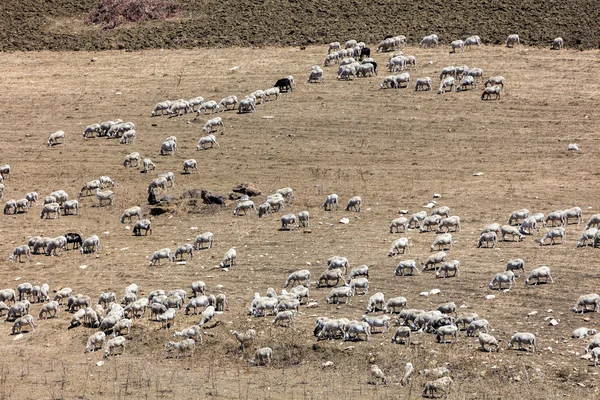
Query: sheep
24	290
31	197
445	84
429	41
247	105
333	46
491	91
457	44
20	251
402	80
62	293
512	40
114	343
95	341
354	204
446	267
18	309
263	356
296	277
515	265
276	202
397	63
446	330
148	165
518	215
287	222
495	81
388	82
185	346
361	270
557	44
303	217
40	293
440	241
359	283
376	303
465	82
106	298
205	141
316	75
365	69
40	243
574	212
502	277
130	212
184	249
377	322
10	207
121	325
416	219
586	300
158	255
142	224
179	106
284	316
26	320
198	287
229	258
402	335
593	221
196	101
160	182
330	275
4	171
397	223
221	303
157	309
47	209
130	158
195	303
22	205
522	338
160	107
331	202
243	206
476	325
57	243
168	147
593	344
472	41
192	332
335	294
537	273
434	259
129	298
228	101
353	329
207	315
448	72
332	58
404	265
137	309
70	207
167	318
400	243
394	303
439	385
529	226
128	137
200	240
53	139
476	73
580	333
423	84
553	234
449	222
91	131
378	374
487	238
511	230
91	244
346	72
274	91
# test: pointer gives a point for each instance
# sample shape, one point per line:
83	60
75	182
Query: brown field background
394	148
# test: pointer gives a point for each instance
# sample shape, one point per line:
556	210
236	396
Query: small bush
112	13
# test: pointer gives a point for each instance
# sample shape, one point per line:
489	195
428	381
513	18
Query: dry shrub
113	13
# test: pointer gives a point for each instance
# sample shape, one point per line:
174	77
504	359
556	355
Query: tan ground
395	148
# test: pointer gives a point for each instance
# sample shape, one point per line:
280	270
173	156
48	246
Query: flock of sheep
112	319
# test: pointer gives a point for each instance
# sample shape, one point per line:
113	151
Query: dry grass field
394	148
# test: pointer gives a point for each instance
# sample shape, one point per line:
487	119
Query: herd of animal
111	319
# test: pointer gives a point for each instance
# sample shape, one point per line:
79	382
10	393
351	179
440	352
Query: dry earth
395	148
59	24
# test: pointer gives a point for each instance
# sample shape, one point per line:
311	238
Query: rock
18	337
268	117
490	297
403	212
437	195
83	266
194	228
431	204
478	174
532	313
435	291
180	263
167	199
344	221
587	319
248	189
573	147
553	322
327	364
100	363
312	304
424	294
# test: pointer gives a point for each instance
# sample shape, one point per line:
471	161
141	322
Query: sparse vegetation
113	13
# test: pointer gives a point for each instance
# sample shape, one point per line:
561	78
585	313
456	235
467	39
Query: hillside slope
58	24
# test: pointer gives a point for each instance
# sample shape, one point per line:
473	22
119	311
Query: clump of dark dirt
31	25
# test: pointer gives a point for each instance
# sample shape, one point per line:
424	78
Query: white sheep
573	212
512	40
502	277
113	344
131	212
423	84
148	164
274	91
303	217
394	303
522	338
429	41
53	139
397	223
315	75
580	333
331	202
168	147
457	44
537	273
229	258
511	230
204	141
515	265
354	204
296	277
243	206
400	243
495	81
416	219
288	221
402	80
179	106
472	41
446	330
20	251
183	347
159	255
553	234
161	107
335	294
184	249
95	341
70	207
376	303
142	224
586	300
435	259
445	267
429	222
440	241
445	84
105	196
211	124
476	73
130	158
263	356
404	265
200	240
557	44
488	92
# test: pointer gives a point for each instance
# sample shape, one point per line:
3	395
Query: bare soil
394	148
59	25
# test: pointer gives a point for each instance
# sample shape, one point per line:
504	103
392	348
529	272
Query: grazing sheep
402	335
557	44
529	226
402	80
298	276
62	293
114	343
495	81
158	255
221	303
581	333
287	222
91	244
574	212
553	234
206	237
245	339
449	222
167	318
440	241
228	101
594	220
263	356
445	84
359	283
404	265
400	243
416	219
185	346
148	165
335	294
128	137
204	141
53	139
330	275
95	341
429	41
586	300
394	303
331	202
207	315
457	44
518	215
476	73
378	374
512	40
487	238
195	303
24	290
537	273
434	259
130	212
488	92
286	317
423	84
397	223
48	209
472	41
247	105
229	258
353	330
476	325
303	217
522	338
515	265
354	204
446	267
376	303
316	75
10	207
57	243
184	249
274	91
502	277
159	107
511	230
70	207
142	224
443	384
244	206
361	270
130	158
485	339
168	147
446	330
189	166
20	251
